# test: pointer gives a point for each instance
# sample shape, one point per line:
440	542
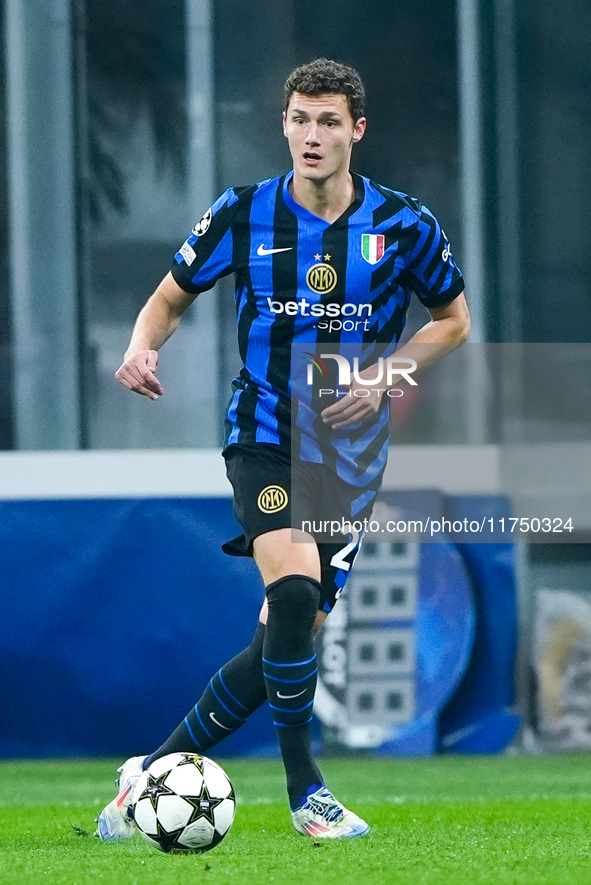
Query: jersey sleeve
206	254
431	270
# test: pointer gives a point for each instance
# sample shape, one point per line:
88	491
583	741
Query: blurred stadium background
120	121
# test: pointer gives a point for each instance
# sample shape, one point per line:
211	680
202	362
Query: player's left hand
354	407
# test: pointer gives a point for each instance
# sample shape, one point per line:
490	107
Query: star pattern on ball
155	788
192	759
167	840
203	806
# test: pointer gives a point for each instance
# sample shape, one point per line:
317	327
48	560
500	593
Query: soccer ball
185	803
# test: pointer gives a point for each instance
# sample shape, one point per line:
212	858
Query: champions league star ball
185	803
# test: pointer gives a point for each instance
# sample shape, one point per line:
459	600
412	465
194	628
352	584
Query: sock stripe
190	730
290	681
227	709
236	701
288	651
244	672
202	724
287	725
283	709
297	664
283	692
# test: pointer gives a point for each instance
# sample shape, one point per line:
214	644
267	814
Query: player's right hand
137	374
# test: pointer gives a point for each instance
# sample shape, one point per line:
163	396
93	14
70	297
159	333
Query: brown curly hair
326	77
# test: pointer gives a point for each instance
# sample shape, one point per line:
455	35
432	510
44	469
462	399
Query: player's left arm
447	329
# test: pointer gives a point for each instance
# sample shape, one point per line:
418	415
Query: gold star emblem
317	257
327	257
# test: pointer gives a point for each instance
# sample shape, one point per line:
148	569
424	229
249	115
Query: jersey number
339	560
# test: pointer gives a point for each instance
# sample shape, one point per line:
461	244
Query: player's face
321	133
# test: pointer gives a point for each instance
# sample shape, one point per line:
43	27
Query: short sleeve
206	254
431	270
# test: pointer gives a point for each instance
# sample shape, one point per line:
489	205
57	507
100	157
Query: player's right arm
205	256
156	322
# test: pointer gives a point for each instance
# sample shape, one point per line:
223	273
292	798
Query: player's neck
328	199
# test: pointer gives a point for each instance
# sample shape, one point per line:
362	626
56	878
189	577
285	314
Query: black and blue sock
290	671
231	696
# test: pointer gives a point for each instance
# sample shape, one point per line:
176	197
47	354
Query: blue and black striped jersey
302	280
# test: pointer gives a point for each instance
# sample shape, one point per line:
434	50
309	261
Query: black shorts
272	493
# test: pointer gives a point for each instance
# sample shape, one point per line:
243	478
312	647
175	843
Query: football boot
322	817
116	821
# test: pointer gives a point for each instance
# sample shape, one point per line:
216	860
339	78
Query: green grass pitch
441	821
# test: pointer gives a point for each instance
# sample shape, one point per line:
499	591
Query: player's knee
294	596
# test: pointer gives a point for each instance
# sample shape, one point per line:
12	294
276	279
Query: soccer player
320	255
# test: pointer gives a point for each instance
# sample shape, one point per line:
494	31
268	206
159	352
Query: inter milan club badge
272	499
321	278
373	247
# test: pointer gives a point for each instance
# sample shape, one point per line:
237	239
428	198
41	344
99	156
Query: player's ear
284	118
359	129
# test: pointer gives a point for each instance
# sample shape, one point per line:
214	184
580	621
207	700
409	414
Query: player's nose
312	135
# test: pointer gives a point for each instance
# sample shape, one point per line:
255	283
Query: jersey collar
309	217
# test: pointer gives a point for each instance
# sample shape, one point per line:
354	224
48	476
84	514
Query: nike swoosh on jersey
213	719
262	251
287	697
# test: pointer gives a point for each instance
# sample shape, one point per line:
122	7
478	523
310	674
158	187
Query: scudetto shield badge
373	247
